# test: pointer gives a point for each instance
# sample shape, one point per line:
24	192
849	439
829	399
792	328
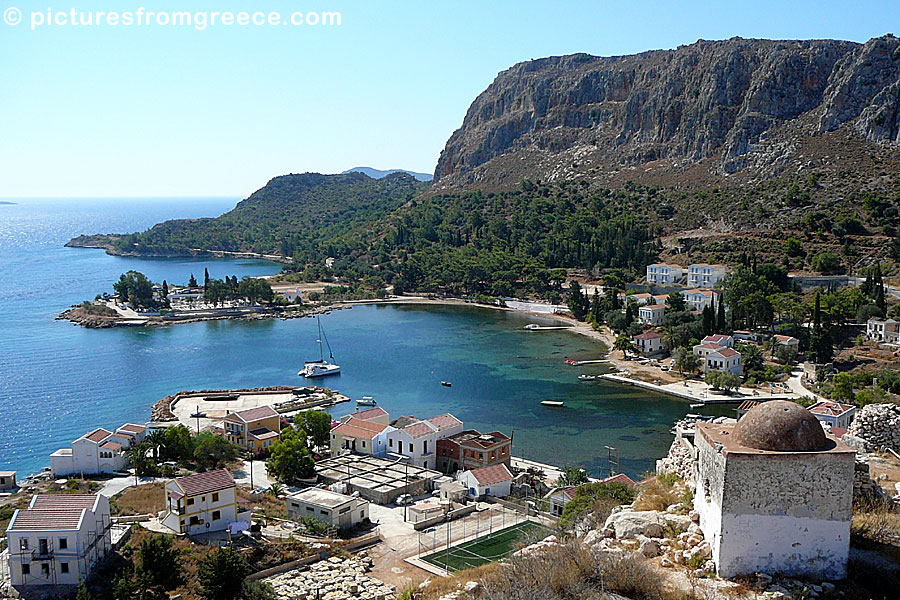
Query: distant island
378	174
6	202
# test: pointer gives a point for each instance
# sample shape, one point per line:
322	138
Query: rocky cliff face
715	100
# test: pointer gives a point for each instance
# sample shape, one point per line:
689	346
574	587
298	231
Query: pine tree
629	314
596	311
878	282
576	301
192	282
820	344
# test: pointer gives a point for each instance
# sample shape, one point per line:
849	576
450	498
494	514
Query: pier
698	392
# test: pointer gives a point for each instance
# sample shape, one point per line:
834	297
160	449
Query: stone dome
781	426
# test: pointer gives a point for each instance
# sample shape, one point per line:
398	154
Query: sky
156	110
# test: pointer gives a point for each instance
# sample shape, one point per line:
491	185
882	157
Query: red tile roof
716	338
263	433
709	346
63	502
254	414
620	478
650	335
419	429
372	413
204	483
831	409
728	352
444	421
98	435
133	428
111	446
46	519
359	428
491	475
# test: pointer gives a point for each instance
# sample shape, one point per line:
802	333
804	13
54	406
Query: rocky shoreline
105	242
161	411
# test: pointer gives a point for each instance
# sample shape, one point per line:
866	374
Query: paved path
119	484
796	384
260	475
697	391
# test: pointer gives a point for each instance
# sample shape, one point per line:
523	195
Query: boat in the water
553	403
446	384
366	401
584	377
700	405
532	326
321	367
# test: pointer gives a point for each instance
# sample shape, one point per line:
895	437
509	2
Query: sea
59	381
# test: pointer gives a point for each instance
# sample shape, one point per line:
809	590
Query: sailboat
321	367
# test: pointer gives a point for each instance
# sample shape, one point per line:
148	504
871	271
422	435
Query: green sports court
487	548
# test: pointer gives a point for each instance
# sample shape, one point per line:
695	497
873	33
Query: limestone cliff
734	104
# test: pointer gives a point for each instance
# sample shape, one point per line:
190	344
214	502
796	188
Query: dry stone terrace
333	579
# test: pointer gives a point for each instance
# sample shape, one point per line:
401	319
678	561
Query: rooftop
253	414
36	520
204	483
444	421
492	474
473	437
726	352
831	409
359	428
63	502
98	435
321	497
372	413
133	428
263	433
650	335
780	426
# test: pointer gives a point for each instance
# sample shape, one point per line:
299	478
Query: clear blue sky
150	111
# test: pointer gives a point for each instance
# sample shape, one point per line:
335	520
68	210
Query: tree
629	313
675	302
192	282
708	320
140	456
259	590
577	301
158	564
205	276
751	356
868	311
785	354
178	444
289	457
721	323
843	387
213	451
826	263
720	380
83	593
572	476
596	312
221	575
134	287
821	348
317	425
686	361
625	344
165	289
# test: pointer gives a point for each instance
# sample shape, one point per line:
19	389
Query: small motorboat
556	403
532	326
700	405
584	377
366	401
446	384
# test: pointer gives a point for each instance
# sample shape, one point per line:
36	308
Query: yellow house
202	503
254	429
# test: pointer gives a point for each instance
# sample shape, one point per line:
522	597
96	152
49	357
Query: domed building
775	493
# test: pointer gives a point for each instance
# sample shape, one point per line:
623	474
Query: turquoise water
59	380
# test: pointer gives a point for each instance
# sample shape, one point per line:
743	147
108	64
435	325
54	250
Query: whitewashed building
719	339
835	414
487	481
883	330
417	440
652	314
649	343
7	481
664	274
58	539
702	275
329	507
698	299
727	360
202	503
98	452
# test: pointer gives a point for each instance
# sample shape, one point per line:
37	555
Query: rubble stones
633	523
874	427
333	579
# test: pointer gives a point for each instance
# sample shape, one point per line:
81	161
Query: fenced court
488	548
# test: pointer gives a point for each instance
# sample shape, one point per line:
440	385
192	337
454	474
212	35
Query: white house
327	506
787	340
373	415
7	481
487	481
100	451
702	275
882	330
202	503
652	314
664	274
418	440
834	413
58	539
698	299
719	339
649	343
360	435
727	360
702	350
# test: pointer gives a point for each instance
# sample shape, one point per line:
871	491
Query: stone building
775	493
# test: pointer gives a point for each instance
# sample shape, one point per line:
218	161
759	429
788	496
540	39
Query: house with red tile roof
203	503
720	339
649	343
727	360
416	440
58	539
360	436
97	452
254	429
487	481
375	415
836	414
472	449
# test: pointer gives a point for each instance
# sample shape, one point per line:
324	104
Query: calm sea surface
58	380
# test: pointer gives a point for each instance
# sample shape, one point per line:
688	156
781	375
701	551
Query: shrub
659	493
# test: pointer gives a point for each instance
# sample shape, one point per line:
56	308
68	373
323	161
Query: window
364	443
344	510
324	513
362	514
23	544
310	509
195	520
190	501
63	543
26	569
410	448
45	570
425	447
63	567
391	442
216	515
216	497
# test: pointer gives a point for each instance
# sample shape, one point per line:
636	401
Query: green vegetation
221	575
206	450
248	288
289	457
316	424
136	289
595	500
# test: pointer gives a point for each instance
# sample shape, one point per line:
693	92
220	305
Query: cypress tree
205	277
721	324
165	289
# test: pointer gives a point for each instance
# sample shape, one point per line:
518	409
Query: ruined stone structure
775	494
875	427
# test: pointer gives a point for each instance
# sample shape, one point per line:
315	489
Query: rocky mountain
379	173
737	106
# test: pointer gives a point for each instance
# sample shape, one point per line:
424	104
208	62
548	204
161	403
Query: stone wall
680	460
875	427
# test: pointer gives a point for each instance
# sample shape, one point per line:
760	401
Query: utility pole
610	463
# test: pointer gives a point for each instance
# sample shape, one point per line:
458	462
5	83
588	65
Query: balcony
42	554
